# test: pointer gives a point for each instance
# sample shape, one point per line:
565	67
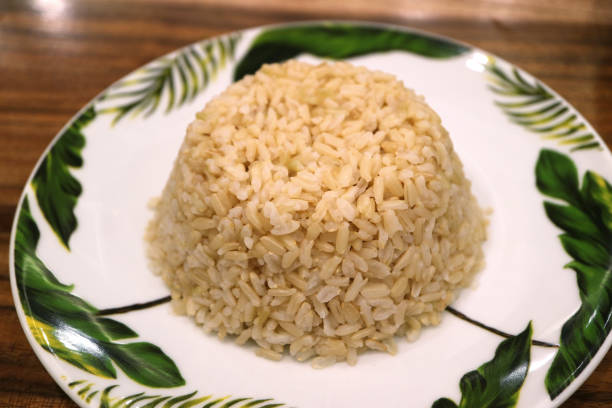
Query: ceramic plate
527	334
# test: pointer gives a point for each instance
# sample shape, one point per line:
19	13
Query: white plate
91	238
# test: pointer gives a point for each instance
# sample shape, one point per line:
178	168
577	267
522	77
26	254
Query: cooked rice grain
316	210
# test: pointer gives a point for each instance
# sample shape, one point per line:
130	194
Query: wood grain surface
56	55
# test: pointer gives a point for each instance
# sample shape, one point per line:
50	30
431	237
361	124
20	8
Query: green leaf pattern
57	190
70	328
496	383
179	78
85	390
529	104
339	41
585	220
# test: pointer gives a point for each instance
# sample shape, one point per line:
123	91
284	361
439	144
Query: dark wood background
56	55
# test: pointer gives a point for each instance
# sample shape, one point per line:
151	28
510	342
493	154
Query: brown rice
317	211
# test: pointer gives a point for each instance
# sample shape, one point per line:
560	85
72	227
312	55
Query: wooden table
55	55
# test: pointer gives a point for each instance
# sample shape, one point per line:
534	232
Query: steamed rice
318	211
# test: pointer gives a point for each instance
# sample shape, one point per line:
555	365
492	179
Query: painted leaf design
597	194
557	177
71	328
496	383
57	190
574	221
178	78
145	363
530	105
105	401
587	236
73	347
33	272
191	399
53	309
338	41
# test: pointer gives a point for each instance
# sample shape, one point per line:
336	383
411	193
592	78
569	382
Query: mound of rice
316	210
